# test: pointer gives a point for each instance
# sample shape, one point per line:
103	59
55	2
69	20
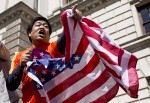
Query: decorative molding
20	10
15	20
85	6
137	44
139	3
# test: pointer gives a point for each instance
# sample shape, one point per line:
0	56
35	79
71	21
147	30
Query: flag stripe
90	23
111	93
82	46
103	52
133	79
74	78
69	72
97	36
77	39
67	34
80	84
89	88
102	91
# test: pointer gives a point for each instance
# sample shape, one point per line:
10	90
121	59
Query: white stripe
96	45
34	78
80	84
109	84
69	72
77	37
43	94
104	36
71	31
122	70
124	64
115	68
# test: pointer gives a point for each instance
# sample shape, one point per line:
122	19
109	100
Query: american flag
92	70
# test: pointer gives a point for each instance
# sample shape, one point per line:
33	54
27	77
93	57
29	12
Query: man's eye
37	25
46	26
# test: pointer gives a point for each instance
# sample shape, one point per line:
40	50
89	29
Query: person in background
39	31
6	96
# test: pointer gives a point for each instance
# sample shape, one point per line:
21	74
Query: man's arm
16	71
14	79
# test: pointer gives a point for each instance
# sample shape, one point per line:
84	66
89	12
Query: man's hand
24	59
77	13
4	53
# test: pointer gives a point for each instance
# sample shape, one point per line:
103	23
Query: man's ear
29	34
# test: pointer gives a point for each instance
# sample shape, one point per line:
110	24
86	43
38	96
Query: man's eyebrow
41	22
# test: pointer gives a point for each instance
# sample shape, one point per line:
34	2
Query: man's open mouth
42	32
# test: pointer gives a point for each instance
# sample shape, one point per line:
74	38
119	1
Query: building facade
127	22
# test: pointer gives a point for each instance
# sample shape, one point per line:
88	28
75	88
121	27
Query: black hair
29	28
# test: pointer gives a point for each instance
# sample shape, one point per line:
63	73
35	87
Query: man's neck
39	44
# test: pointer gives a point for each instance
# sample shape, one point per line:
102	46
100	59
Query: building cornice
137	44
85	6
20	10
139	3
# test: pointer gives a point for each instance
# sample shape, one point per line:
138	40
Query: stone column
15	37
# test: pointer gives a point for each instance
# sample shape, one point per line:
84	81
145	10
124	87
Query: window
68	1
65	2
144	12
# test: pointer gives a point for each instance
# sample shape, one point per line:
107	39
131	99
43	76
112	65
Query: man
4	68
39	31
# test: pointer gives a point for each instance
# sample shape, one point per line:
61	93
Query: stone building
127	22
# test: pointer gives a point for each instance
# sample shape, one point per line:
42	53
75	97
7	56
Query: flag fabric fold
92	70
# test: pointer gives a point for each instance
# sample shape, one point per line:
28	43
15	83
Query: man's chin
40	39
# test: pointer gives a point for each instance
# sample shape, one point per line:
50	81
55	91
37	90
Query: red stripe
74	78
43	100
90	23
120	56
109	47
133	77
89	88
82	45
108	96
67	34
106	57
111	62
114	73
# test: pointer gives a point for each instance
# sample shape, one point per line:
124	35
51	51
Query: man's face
40	32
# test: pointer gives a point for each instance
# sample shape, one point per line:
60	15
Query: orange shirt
30	94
